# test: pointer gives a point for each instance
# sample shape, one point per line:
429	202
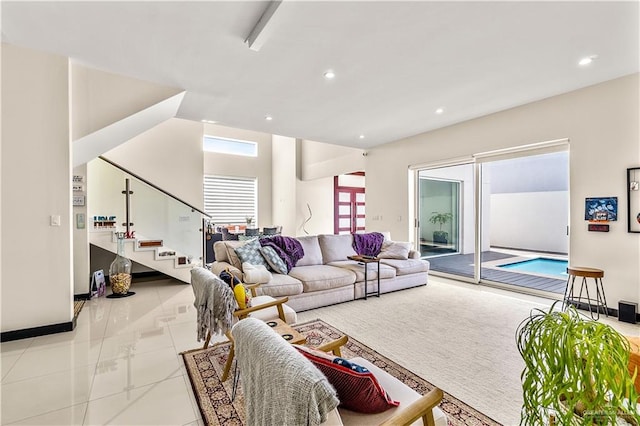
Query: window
230	199
230	146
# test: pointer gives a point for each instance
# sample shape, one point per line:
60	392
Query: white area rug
460	337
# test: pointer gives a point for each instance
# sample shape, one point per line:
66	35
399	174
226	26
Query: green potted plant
438	218
576	371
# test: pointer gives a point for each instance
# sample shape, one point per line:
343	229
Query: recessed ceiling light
209	121
361	136
268	117
329	75
587	60
439	111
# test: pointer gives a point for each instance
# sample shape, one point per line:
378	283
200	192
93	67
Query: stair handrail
154	186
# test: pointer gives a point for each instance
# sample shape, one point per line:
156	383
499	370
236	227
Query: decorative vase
120	270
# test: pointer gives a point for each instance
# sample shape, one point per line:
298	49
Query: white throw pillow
255	273
395	250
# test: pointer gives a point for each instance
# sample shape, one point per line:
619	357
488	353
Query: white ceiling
396	62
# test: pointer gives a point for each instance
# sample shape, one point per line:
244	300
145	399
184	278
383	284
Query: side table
366	260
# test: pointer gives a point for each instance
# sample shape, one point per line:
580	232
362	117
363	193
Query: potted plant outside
576	371
438	218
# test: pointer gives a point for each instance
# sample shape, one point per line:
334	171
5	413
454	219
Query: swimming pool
540	265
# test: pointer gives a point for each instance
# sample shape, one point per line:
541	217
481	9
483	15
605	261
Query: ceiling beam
264	27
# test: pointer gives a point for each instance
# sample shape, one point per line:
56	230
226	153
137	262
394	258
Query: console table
366	261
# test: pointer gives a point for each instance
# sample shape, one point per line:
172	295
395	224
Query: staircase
168	231
158	257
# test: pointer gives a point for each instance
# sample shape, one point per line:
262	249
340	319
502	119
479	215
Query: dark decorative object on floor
218	408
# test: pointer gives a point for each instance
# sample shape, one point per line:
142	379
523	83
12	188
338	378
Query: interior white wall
530	221
319	160
169	156
284	167
259	167
81	270
602	125
317	194
37	272
101	98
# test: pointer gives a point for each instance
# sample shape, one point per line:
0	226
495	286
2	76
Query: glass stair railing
165	233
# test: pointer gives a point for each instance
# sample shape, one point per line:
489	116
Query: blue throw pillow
250	252
275	261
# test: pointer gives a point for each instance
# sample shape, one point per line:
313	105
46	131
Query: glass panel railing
155	214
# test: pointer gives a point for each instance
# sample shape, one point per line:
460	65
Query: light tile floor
121	364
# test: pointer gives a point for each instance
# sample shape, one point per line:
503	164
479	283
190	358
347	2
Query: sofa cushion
271	313
336	247
322	277
225	251
280	286
394	250
406	267
255	273
386	271
357	388
275	262
312	252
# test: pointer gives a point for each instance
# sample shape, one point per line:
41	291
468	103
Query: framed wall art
633	199
601	209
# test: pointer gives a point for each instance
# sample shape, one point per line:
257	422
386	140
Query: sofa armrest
413	254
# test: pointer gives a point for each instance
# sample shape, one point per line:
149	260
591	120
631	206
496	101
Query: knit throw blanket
281	386
368	244
289	249
214	303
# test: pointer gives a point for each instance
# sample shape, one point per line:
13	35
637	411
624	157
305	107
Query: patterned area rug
214	397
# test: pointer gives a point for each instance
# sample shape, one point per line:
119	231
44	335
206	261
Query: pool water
540	265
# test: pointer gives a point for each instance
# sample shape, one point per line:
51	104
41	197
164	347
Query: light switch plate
54	220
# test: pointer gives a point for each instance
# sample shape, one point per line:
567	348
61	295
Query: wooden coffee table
287	332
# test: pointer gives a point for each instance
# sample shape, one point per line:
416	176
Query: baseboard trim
612	312
43	330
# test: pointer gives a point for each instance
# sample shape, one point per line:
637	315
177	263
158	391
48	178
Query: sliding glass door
445	217
525	218
500	219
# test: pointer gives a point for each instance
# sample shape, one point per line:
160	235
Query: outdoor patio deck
462	264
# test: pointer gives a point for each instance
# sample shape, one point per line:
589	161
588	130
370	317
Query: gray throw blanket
214	303
288	248
368	244
281	387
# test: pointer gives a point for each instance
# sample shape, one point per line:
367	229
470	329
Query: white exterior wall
602	125
37	272
534	221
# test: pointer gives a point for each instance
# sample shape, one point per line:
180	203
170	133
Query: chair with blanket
275	373
218	309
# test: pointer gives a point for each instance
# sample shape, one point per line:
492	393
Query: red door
349	209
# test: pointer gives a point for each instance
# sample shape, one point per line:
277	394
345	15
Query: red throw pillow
357	388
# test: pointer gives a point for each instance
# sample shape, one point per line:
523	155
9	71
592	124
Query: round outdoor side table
600	300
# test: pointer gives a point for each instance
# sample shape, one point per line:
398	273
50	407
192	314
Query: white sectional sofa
325	276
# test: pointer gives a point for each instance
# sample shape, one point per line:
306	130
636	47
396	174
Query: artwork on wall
633	199
601	209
